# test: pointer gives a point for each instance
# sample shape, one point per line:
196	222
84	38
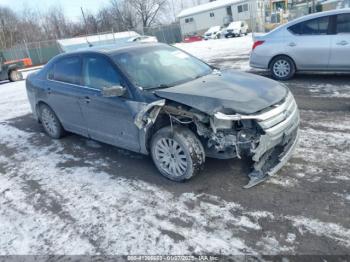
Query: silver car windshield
160	66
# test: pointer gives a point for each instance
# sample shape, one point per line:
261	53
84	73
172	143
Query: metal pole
26	48
86	28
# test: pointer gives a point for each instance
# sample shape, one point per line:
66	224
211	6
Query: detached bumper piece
272	161
278	143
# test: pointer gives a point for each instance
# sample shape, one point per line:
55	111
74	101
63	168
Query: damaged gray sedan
155	99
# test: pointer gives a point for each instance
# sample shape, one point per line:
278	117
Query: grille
281	119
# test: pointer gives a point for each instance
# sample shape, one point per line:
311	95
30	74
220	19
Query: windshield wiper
198	76
162	86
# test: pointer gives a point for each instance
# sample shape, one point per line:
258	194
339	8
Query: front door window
99	73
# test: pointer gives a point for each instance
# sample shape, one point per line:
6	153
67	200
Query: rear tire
282	68
177	153
15	75
50	122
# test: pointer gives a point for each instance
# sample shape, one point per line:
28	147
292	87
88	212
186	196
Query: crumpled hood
228	92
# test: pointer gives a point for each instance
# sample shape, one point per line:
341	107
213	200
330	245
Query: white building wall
254	16
202	21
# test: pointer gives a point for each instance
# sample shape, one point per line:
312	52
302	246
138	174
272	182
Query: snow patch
229	53
330	230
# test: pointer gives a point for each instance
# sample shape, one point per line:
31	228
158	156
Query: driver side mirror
113	91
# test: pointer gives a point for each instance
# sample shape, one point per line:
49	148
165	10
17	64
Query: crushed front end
274	140
268	137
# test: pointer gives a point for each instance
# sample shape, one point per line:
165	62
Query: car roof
320	14
112	49
308	17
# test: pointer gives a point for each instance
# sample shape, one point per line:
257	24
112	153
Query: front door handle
87	99
292	44
342	43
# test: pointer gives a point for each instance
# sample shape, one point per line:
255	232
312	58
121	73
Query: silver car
316	42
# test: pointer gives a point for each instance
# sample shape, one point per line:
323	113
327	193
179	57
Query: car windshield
160	66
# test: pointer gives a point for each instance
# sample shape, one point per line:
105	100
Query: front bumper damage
277	144
273	160
269	137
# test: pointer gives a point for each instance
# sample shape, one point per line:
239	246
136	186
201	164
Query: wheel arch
38	105
161	121
37	110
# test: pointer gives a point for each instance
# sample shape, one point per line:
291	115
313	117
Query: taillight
257	43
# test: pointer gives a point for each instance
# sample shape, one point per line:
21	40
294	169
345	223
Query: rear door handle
292	44
87	99
49	91
342	43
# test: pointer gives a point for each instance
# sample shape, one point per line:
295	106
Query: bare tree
8	27
123	15
148	10
91	24
105	20
55	23
120	15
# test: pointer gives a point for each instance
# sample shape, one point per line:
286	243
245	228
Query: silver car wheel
171	157
49	121
281	68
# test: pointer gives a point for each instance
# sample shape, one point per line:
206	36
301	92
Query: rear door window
343	23
317	26
67	70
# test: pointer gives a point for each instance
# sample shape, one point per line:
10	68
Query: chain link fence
39	52
168	34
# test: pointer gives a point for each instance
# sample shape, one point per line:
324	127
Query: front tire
282	68
50	122
177	153
15	75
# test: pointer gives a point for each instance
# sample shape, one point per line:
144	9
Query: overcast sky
71	7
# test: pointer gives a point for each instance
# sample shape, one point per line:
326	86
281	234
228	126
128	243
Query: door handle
342	43
292	44
49	91
87	99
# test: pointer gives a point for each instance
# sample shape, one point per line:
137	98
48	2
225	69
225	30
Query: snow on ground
340	90
324	147
49	208
80	210
13	101
232	52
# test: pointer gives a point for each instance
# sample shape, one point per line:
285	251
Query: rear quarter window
343	23
317	26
